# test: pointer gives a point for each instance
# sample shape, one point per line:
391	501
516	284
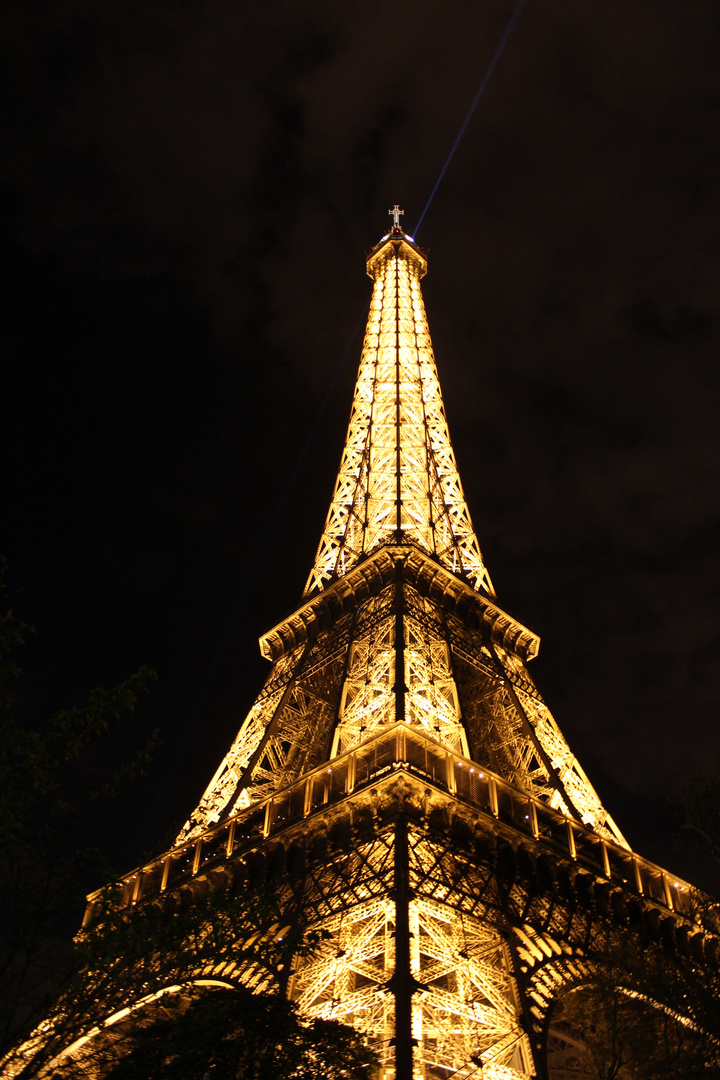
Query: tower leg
402	978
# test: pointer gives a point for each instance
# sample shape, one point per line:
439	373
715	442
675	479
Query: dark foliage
238	1035
49	800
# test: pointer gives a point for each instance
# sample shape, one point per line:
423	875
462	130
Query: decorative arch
128	1011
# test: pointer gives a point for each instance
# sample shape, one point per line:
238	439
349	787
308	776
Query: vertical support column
668	892
399	687
196	856
398	452
268	817
492	794
166	872
606	859
307	798
571	840
450	772
532	814
402	979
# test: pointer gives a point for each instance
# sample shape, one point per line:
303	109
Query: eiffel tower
400	777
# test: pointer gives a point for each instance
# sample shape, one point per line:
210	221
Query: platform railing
398	748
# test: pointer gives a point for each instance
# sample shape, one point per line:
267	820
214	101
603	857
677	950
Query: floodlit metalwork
398	481
465	1006
342	687
396	655
400	776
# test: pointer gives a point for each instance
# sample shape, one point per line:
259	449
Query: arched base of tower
403	891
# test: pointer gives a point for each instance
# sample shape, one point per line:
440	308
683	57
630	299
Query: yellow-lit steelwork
398	484
465	1007
398	481
400	772
396	656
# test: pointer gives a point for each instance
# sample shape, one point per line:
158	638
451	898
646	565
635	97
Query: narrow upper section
398	482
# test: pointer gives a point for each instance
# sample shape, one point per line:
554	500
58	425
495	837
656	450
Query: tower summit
398	481
399	779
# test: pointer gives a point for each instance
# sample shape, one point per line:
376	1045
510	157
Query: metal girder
398	480
398	653
400	768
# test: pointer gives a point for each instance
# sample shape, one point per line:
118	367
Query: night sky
188	193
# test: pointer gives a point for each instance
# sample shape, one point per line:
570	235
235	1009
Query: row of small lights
459	765
527	817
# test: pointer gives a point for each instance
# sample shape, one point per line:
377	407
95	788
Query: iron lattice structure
398	492
400	778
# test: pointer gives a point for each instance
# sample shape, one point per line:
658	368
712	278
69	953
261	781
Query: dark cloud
188	193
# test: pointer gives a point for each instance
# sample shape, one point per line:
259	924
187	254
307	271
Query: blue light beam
486	79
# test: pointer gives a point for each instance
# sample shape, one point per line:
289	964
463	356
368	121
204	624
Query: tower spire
398	481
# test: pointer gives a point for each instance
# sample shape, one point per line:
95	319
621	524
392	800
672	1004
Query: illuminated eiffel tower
399	777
